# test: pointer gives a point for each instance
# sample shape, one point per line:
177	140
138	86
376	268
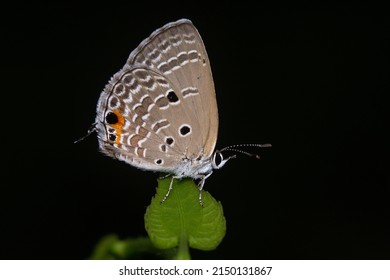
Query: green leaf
181	220
110	247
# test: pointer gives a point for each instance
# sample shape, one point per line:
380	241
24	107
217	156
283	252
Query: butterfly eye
112	118
217	160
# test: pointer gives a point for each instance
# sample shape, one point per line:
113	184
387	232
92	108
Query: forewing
177	51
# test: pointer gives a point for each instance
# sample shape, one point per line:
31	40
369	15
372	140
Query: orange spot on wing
119	125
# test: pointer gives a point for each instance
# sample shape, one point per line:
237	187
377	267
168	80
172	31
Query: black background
313	82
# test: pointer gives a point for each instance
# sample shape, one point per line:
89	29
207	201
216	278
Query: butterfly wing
177	52
161	107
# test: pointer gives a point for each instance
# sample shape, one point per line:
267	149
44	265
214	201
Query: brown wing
177	51
161	107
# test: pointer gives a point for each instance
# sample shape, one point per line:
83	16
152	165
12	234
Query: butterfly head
218	159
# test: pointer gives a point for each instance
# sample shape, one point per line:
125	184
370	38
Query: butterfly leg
169	190
200	186
164	176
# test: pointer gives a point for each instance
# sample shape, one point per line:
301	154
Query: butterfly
159	112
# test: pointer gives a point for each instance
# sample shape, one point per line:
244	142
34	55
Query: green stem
183	251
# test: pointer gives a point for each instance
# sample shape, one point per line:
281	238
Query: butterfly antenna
91	129
233	148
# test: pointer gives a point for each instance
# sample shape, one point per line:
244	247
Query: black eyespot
184	130
163	148
169	141
172	97
111	118
159	161
112	137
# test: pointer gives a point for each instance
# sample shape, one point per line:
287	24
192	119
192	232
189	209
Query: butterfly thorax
194	168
